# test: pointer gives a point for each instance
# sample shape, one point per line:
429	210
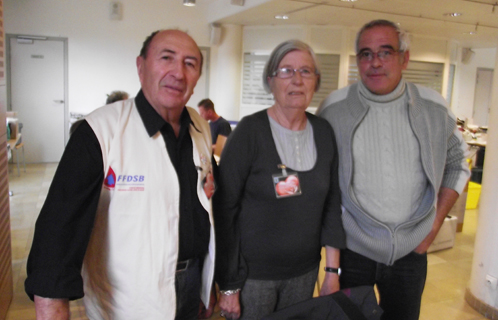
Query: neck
393	95
292	119
214	117
171	116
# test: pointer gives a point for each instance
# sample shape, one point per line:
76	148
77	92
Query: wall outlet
491	282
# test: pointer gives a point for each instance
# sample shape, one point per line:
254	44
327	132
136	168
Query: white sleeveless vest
130	264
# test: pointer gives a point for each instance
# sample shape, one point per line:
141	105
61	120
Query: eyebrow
386	46
174	52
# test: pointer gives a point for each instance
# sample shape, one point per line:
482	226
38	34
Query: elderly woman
278	200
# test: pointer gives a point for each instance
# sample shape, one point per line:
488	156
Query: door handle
59	101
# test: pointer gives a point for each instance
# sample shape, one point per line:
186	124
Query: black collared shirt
194	220
66	220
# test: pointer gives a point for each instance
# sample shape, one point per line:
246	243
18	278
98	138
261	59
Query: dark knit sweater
260	236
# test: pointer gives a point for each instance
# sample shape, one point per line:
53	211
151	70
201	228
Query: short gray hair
403	39
279	53
116	96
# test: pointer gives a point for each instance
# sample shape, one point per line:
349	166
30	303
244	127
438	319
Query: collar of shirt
153	122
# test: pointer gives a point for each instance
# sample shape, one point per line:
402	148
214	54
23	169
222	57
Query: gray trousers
260	298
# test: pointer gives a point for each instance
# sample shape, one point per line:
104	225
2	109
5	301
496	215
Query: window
253	92
329	68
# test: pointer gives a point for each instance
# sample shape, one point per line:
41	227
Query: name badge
286	184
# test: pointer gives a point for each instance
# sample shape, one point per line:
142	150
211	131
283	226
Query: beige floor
449	270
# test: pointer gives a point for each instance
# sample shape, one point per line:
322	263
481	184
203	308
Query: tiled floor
449	270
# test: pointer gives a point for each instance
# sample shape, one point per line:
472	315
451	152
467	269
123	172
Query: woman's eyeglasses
286	73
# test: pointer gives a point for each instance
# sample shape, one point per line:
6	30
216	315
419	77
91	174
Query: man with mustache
401	168
130	201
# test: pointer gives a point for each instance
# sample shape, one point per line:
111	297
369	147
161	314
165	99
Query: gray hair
404	41
116	96
279	53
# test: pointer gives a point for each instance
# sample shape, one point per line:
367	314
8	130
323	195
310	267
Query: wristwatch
229	292
333	270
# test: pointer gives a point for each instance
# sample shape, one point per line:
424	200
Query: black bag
349	304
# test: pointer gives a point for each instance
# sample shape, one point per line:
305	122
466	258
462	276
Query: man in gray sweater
401	168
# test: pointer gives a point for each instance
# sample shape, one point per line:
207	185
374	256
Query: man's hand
445	201
51	309
209	185
230	306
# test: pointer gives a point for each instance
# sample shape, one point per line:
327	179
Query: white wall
227	73
102	52
485	261
463	104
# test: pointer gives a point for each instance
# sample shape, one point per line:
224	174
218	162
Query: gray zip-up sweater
443	153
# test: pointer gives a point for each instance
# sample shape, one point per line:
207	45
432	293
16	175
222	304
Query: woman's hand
230	306
330	284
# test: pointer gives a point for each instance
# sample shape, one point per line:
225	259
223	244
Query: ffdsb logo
124	182
126	178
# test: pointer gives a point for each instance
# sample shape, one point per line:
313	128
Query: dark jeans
400	286
260	298
188	288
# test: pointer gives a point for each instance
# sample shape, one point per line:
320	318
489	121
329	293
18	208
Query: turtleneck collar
395	94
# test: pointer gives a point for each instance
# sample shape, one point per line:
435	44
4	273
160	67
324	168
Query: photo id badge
286	184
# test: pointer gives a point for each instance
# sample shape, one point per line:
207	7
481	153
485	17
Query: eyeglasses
385	55
286	73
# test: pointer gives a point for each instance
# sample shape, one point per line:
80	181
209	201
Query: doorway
37	91
482	96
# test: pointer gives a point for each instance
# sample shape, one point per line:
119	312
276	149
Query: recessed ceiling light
281	17
453	14
471	33
189	3
348	0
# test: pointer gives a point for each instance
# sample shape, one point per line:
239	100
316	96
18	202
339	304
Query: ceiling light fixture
472	32
453	14
281	17
348	0
189	3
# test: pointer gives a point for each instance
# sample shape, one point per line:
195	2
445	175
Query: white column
485	262
227	86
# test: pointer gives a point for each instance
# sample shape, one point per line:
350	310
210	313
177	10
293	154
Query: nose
178	70
297	77
376	62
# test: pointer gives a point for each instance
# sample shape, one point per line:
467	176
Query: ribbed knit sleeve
234	167
456	171
333	234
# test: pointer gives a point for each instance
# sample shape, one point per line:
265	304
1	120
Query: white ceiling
420	17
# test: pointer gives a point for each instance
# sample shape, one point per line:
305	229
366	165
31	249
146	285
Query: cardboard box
445	239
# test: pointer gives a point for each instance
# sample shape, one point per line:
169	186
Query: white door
482	96
37	94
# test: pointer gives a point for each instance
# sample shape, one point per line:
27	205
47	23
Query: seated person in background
217	124
116	96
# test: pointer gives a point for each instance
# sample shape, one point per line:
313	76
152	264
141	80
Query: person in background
401	168
116	96
217	123
127	221
278	198
112	97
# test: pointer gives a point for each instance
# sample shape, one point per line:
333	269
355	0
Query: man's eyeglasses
385	55
286	73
